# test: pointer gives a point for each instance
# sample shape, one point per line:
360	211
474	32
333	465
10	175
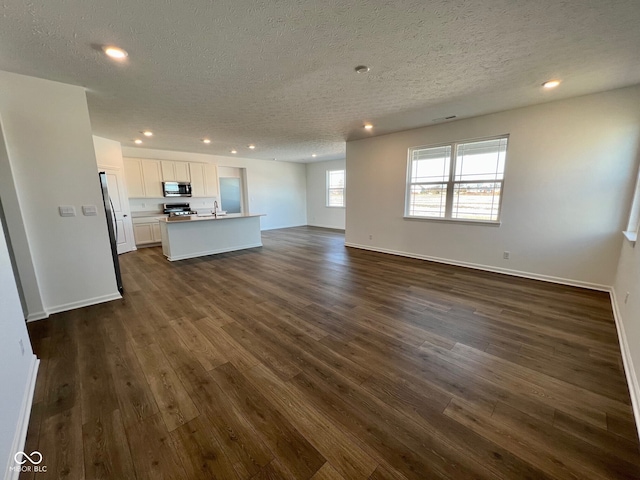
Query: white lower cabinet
146	230
143	233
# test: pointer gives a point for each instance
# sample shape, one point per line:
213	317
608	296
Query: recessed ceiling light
114	52
362	69
252	147
314	155
551	84
234	151
368	126
206	140
137	141
148	133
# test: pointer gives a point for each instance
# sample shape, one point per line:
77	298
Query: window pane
479	161
476	201
335	188
427	200
430	164
336	197
336	178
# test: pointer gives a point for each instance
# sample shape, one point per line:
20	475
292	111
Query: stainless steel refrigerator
112	227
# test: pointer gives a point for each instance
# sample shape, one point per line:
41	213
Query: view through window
335	188
458	181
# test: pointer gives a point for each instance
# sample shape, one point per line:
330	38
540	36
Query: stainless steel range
178	210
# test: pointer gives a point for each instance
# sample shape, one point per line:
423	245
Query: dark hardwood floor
306	359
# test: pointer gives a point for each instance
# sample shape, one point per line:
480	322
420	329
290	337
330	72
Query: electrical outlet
626	297
506	255
21	347
370	237
144	205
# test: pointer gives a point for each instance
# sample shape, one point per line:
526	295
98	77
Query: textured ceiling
280	74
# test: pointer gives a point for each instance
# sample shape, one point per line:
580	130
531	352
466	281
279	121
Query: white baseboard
20	435
627	361
82	303
147	245
37	316
173	258
488	268
282	226
331	227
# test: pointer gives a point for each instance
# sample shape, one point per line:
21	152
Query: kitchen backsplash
156	204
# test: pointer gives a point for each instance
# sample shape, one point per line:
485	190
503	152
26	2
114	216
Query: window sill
631	237
486	223
334	206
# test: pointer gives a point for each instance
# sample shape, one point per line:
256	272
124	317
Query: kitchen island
197	236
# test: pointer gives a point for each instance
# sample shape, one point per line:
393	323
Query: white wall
19	366
108	153
50	150
274	188
27	278
628	317
318	214
569	177
229	172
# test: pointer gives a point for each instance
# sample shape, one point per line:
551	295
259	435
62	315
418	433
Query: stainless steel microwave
176	189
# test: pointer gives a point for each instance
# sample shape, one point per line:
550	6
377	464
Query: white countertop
206	218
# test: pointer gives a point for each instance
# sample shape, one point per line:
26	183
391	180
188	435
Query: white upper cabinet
133	177
204	179
197	179
175	171
210	180
144	177
168	171
152	177
182	172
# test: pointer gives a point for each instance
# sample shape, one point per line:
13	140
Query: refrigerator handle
113	219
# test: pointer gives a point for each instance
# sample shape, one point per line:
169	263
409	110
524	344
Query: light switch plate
89	210
67	210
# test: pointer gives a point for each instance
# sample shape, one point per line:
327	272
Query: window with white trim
335	188
458	181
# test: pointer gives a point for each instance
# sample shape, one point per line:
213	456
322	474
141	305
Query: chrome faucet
215	209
